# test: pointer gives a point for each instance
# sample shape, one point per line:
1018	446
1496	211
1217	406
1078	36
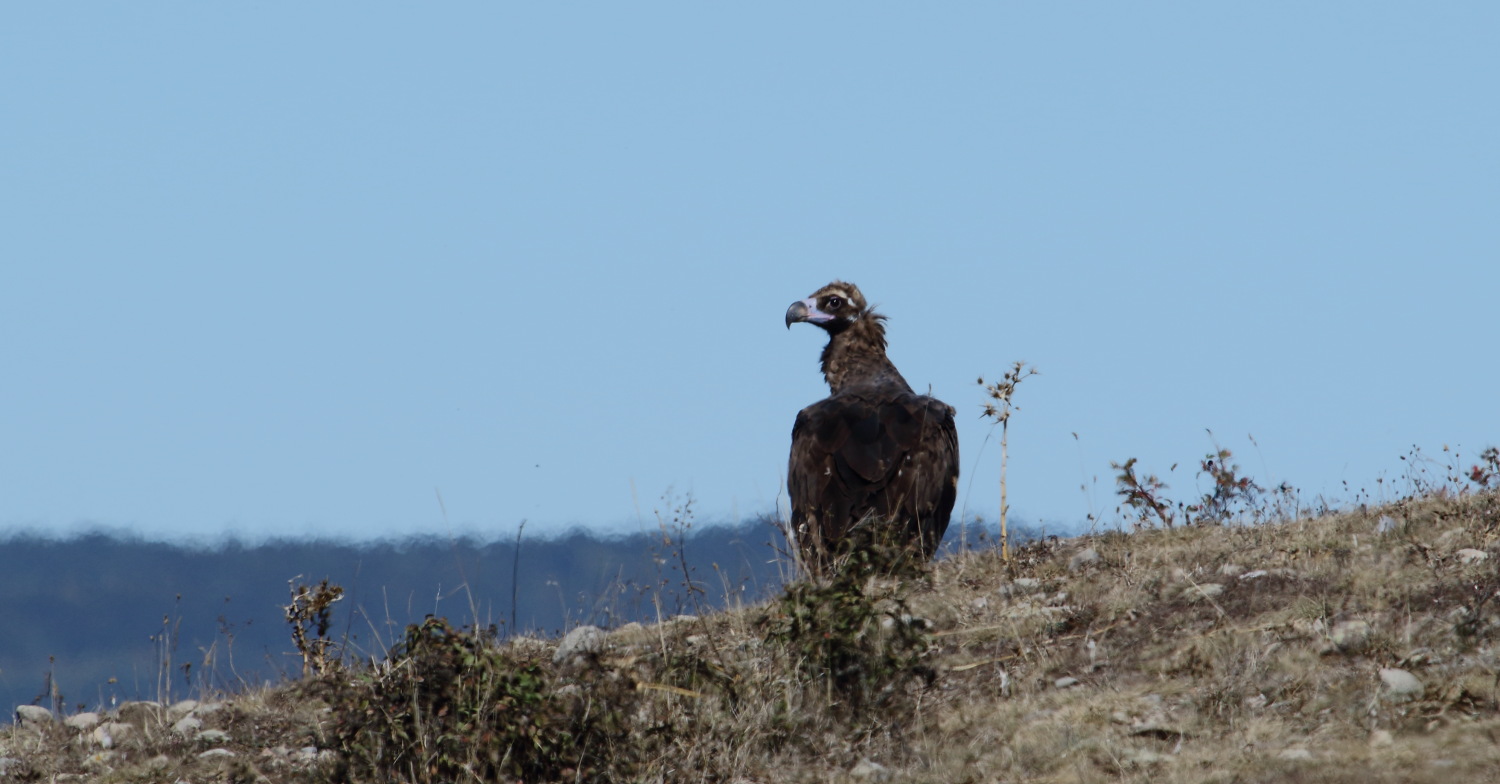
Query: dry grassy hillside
1353	647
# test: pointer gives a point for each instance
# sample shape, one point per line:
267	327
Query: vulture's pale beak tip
797	312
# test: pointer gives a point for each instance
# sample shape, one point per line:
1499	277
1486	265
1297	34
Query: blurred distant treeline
110	618
107	617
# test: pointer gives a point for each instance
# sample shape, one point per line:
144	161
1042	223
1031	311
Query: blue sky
304	269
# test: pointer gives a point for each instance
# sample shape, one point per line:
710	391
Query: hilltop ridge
1357	646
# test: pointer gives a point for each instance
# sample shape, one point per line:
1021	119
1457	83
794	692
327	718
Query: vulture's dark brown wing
863	452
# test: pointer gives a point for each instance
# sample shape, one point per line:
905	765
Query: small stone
212	736
1296	755
1083	558
140	713
1255	575
33	716
1194	593
1380	739
1469	556
632	629
1020	586
1401	684
83	722
113	733
979	603
582	641
1350	636
868	770
187	725
213	754
207	708
181	708
1065	682
1141	758
1231	570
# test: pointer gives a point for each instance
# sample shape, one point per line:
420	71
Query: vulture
873	451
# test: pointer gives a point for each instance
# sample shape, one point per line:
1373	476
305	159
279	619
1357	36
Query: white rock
1469	556
1400	683
113	733
140	713
212	736
868	770
1300	755
181	708
1380	739
1141	758
33	716
1083	558
631	629
83	722
1231	570
187	725
1065	682
215	754
1350	635
581	641
1194	593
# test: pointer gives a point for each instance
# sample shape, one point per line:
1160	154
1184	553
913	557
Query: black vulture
873	452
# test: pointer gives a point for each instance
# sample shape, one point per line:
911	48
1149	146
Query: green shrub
852	634
451	706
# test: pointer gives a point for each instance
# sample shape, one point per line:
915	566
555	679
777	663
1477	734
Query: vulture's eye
834	303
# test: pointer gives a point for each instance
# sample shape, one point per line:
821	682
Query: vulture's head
834	307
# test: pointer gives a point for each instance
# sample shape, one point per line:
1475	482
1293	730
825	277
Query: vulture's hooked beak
806	310
797	312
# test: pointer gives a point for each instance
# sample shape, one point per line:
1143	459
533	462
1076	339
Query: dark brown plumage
873	448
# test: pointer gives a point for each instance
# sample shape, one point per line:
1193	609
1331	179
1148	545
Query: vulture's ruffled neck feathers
855	357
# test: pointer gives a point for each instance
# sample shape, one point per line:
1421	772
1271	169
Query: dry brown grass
1195	654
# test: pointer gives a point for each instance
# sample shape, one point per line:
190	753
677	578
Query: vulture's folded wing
893	455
